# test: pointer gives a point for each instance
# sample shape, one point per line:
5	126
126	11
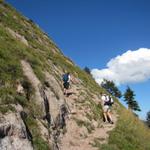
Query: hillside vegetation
41	117
129	134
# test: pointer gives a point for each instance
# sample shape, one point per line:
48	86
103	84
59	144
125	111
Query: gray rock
13	135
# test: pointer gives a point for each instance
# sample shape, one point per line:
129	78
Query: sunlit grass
129	134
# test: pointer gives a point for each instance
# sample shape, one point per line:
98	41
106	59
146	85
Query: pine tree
129	99
148	119
87	70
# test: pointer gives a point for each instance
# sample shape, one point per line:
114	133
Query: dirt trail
78	138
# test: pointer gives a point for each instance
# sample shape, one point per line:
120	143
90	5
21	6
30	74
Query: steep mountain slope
34	113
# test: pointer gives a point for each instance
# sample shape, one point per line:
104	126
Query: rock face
51	102
13	133
18	36
41	117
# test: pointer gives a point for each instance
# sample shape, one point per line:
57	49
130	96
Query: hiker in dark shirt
66	82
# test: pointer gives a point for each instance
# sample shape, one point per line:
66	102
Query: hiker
107	102
66	82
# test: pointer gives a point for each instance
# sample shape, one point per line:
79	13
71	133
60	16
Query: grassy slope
130	133
38	55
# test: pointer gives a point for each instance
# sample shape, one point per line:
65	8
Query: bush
21	100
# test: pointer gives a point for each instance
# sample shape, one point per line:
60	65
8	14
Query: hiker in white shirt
106	104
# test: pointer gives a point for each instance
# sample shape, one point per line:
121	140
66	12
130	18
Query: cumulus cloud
130	67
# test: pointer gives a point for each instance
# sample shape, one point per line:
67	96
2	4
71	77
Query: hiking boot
111	122
65	94
105	122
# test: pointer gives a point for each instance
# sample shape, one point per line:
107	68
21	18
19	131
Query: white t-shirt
104	98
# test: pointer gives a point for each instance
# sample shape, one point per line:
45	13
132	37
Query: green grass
5	108
22	100
10	68
129	134
38	54
96	110
38	142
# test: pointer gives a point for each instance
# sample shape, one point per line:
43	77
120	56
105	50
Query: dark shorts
66	85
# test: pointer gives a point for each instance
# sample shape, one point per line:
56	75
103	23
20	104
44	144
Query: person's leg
65	90
66	87
110	117
105	117
105	108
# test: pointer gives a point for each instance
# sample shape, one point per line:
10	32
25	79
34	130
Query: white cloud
130	67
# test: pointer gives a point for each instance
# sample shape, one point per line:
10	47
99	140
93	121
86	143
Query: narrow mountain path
80	132
78	137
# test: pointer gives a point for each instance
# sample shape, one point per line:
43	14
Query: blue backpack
65	77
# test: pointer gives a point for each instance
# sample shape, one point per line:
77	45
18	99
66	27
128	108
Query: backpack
110	101
65	77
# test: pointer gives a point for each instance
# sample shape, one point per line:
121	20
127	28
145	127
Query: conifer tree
87	70
130	100
148	119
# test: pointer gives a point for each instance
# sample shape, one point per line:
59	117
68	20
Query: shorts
106	108
66	85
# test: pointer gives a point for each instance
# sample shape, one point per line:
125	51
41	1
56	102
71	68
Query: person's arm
69	78
103	100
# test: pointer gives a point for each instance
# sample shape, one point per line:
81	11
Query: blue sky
92	32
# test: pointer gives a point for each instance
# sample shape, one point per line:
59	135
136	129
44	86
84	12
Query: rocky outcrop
13	134
50	98
18	36
14	131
